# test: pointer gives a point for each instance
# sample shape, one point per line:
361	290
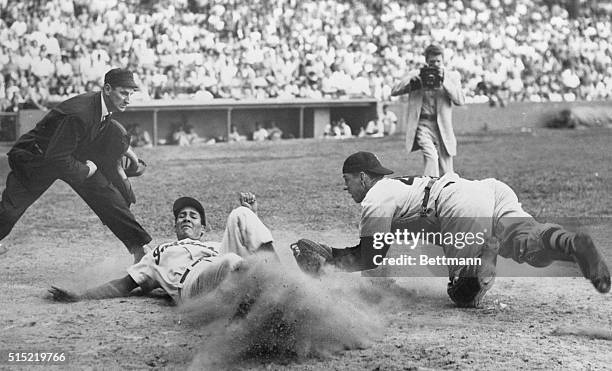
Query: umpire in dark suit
59	147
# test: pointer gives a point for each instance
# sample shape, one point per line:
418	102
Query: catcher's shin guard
311	256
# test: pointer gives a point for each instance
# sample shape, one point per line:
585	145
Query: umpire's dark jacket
57	148
62	137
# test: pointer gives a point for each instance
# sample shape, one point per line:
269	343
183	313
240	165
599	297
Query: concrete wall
475	117
213	122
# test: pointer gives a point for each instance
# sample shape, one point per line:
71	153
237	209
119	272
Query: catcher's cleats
311	256
591	262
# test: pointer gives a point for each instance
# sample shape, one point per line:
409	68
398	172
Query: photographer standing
432	94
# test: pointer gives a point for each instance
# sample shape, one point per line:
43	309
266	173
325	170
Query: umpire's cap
183	202
120	77
366	162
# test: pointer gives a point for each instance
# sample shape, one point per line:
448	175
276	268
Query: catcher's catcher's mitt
311	256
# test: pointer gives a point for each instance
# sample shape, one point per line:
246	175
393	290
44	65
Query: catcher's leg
525	240
245	233
112	209
539	244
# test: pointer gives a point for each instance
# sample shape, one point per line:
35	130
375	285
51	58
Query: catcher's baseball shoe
591	262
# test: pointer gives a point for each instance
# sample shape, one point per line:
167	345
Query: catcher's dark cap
120	77
364	161
433	49
183	202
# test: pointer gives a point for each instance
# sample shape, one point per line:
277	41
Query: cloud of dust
99	272
271	311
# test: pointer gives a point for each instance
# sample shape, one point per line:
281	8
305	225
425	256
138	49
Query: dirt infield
527	322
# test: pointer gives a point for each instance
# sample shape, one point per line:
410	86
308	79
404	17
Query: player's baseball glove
311	256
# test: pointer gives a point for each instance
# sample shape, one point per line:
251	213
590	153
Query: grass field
557	175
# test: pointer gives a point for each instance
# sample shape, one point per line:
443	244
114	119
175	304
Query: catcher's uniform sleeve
360	257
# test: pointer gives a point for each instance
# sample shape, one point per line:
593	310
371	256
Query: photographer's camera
430	77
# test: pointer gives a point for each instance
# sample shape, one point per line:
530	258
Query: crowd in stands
505	50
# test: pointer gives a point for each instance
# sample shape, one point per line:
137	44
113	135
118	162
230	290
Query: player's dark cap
433	49
120	77
183	202
366	162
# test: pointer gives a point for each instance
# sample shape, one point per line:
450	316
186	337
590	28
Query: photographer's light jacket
450	93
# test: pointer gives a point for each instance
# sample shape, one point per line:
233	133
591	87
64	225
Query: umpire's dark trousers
27	182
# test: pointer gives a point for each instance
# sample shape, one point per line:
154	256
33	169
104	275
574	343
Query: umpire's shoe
591	262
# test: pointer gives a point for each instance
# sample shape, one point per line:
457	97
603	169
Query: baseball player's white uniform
181	268
458	205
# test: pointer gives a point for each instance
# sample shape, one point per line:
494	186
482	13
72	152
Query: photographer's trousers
436	159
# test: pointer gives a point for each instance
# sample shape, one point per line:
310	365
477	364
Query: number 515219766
33	357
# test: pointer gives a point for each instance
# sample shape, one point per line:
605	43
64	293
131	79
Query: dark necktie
105	122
